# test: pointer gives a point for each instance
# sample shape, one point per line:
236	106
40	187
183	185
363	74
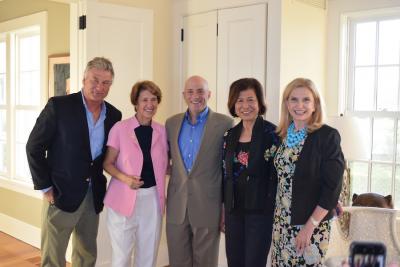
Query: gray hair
100	63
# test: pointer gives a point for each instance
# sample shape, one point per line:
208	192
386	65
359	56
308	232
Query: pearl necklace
293	137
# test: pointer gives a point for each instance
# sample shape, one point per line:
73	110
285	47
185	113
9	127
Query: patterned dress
284	234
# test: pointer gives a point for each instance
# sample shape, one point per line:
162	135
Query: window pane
388	84
359	177
381	178
3	73
3	141
2	57
25	119
3	157
29	53
397	188
365	43
364	89
389	41
2	89
382	144
3	125
21	164
28	91
398	142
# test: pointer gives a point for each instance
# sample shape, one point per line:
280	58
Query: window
22	92
373	93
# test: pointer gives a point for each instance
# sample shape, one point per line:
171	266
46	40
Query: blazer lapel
208	131
231	144
133	124
176	128
257	144
82	123
155	136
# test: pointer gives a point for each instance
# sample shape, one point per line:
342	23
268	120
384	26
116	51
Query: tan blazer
198	192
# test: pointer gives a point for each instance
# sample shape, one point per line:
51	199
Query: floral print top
284	234
240	163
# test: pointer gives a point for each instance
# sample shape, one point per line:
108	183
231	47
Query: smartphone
367	254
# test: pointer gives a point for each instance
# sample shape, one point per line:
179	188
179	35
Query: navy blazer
318	175
58	151
260	188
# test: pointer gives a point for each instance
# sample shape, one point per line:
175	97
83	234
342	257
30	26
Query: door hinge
82	22
182	35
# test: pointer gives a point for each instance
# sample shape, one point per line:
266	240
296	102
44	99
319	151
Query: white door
241	48
200	50
125	36
238	51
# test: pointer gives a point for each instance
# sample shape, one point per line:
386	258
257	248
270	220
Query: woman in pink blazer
137	158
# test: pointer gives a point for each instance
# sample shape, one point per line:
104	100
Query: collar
135	123
103	105
201	117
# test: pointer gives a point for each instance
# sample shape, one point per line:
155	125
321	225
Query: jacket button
91	163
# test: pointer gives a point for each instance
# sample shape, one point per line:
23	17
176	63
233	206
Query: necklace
293	138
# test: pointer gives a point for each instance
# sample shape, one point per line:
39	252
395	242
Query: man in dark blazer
195	186
65	153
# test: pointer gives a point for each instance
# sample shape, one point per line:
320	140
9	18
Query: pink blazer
120	197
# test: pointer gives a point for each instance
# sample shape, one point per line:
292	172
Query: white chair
366	224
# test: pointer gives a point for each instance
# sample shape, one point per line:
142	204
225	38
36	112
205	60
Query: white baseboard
20	230
25	232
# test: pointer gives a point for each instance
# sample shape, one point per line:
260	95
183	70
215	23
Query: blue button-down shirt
96	129
190	138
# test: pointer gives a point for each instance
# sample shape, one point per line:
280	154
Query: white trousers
142	230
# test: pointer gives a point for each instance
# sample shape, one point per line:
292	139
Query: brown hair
243	85
141	86
316	117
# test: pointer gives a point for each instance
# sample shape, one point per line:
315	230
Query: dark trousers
247	239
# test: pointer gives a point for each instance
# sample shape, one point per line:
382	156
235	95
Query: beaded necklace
293	138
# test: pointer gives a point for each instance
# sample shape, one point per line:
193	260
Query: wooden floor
15	253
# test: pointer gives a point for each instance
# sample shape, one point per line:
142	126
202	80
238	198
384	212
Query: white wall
337	8
303	44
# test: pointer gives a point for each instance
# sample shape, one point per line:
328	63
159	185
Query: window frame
21	26
347	82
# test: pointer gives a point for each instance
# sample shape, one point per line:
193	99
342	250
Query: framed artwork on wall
59	73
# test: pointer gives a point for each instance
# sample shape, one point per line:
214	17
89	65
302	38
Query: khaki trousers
57	227
190	246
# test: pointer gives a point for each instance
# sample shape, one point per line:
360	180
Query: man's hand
49	196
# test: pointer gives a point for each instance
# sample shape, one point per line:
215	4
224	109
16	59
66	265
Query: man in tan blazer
194	191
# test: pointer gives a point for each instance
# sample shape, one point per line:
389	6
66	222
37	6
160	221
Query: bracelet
314	221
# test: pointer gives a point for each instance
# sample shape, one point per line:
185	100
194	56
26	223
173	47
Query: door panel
200	50
125	36
241	48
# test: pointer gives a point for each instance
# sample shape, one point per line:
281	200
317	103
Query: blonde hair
316	117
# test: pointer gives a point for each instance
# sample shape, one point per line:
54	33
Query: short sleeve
114	136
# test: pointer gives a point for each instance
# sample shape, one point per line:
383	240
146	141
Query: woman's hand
303	238
338	211
134	182
222	221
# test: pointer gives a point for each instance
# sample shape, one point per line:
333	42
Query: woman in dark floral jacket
249	191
